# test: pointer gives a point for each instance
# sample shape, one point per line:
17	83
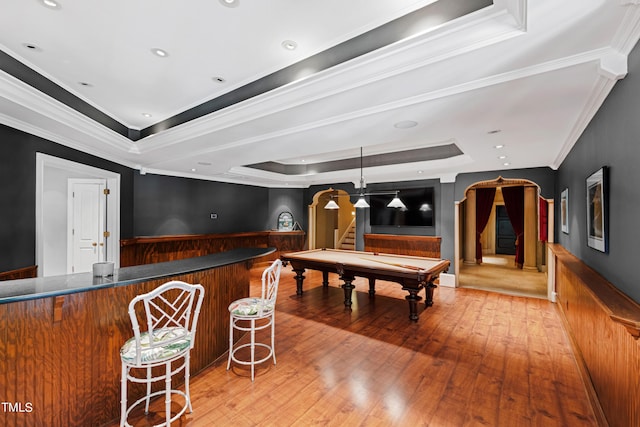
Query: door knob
94	244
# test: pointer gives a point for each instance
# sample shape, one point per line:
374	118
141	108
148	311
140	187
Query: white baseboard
448	280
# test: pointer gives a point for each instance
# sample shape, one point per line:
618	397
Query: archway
327	227
479	224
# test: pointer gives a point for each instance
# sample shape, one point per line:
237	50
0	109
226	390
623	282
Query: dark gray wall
167	205
611	139
18	193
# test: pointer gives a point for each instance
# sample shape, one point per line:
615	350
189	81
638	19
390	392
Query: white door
87	209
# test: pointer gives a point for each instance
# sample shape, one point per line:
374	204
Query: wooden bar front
60	362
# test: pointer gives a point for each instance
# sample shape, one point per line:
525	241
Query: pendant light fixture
396	203
331	204
362	202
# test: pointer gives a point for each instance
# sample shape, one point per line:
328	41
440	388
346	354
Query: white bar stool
254	314
171	316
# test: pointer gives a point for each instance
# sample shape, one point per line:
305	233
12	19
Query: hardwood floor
498	273
473	359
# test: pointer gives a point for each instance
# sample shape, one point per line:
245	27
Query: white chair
171	316
254	314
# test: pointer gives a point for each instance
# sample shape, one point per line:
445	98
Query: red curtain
544	219
484	203
514	202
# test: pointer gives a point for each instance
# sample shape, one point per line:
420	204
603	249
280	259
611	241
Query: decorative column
470	228
530	227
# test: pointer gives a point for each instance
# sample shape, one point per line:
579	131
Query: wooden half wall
150	250
22	273
425	246
604	327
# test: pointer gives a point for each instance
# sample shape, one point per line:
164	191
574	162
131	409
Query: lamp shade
331	205
396	203
361	203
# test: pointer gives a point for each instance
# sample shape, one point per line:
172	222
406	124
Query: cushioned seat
249	307
166	345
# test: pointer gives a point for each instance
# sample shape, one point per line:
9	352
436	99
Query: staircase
349	241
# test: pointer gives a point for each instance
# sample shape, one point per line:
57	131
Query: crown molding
599	93
629	31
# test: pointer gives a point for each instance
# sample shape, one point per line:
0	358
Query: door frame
459	232
76	170
314	227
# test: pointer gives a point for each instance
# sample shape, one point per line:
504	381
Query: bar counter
60	336
41	287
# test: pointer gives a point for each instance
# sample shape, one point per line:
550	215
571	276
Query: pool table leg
413	299
299	280
325	278
348	288
372	286
428	293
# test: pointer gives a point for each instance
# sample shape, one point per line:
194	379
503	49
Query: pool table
412	272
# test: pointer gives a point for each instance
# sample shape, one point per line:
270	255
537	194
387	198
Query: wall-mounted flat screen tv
419	211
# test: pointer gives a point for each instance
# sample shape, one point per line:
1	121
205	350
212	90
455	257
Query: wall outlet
214	216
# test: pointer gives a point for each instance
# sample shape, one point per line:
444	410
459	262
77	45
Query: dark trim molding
395	158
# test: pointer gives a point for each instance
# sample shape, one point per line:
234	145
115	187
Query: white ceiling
536	71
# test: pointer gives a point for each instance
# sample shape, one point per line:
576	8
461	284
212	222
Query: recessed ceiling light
159	52
419	172
406	124
506	164
502	157
193	169
499	146
230	3
289	45
218	79
147	115
32	46
51	4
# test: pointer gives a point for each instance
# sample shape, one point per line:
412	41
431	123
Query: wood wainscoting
150	250
425	246
61	354
604	326
21	273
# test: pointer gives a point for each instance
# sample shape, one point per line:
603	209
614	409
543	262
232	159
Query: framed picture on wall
597	201
285	221
564	210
